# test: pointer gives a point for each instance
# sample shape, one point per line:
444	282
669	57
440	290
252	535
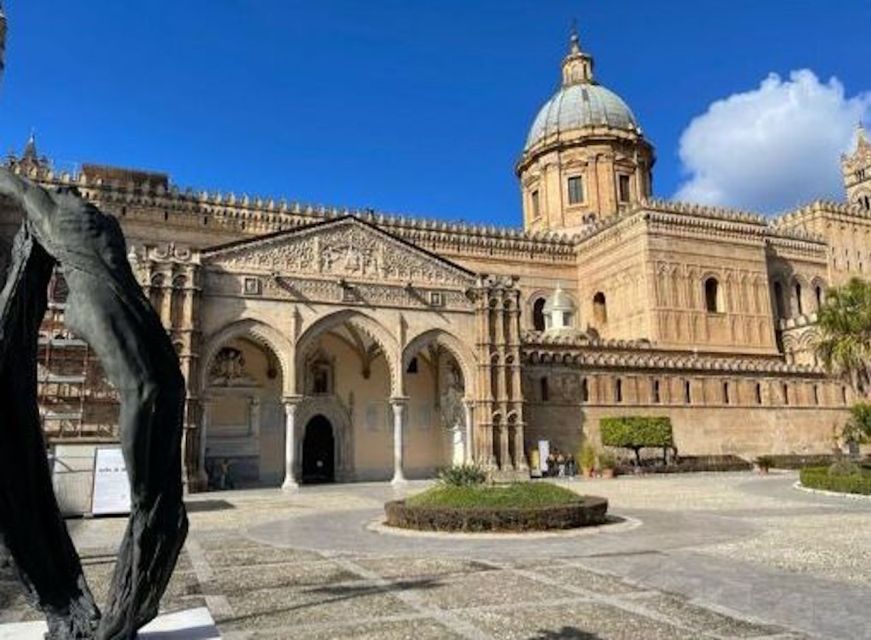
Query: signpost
111	489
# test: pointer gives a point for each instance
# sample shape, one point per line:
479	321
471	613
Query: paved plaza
729	555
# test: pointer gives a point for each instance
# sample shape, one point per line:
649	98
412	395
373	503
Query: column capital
399	400
291	401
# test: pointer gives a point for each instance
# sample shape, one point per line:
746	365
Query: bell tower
856	168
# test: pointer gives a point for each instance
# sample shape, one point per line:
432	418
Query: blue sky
416	107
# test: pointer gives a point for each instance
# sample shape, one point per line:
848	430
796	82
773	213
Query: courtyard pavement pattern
729	555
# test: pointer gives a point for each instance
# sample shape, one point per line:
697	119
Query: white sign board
111	493
543	453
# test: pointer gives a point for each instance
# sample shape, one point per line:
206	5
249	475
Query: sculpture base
180	625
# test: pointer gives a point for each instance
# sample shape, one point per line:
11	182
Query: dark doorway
318	452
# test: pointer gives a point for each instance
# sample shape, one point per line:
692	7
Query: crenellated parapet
247	216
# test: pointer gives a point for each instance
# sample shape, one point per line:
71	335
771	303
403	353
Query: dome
577	106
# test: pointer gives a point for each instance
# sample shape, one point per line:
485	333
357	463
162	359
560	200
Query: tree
858	427
844	343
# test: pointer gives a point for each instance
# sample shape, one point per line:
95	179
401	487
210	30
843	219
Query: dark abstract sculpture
107	308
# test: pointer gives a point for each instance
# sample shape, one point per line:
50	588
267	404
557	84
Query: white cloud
772	148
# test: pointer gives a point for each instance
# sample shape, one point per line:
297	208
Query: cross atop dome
577	65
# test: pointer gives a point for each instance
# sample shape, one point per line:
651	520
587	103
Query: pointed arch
258	332
461	353
360	321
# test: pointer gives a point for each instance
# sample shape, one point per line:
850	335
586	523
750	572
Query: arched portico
242	381
346	367
438	382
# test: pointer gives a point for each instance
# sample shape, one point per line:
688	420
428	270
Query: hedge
819	478
590	511
800	461
636	433
695	464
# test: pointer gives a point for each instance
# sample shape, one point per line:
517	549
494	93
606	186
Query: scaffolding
76	402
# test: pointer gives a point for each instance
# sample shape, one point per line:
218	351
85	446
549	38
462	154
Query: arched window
818	293
785	393
618	390
726	398
585	390
545	392
600	308
538	314
799	307
687	392
780	307
816	394
712	296
758	393
654	392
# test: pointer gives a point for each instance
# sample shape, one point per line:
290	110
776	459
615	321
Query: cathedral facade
328	344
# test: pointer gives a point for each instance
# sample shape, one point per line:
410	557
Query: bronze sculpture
108	309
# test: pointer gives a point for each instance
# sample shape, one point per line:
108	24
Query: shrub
636	433
436	516
463	475
517	494
607	460
799	461
819	478
696	464
588	455
844	468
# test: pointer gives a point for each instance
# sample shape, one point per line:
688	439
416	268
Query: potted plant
588	459
607	464
763	464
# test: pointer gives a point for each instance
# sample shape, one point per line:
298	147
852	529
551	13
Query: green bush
844	468
636	433
607	460
799	461
517	507
463	475
819	478
517	494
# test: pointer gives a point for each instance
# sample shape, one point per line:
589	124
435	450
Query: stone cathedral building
329	344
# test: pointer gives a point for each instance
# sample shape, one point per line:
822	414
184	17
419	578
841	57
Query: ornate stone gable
346	248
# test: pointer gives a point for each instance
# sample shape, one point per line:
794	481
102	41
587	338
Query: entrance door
318	452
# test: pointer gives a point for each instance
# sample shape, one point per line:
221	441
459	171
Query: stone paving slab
707	565
581	620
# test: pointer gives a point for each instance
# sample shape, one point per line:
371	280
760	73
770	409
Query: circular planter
591	511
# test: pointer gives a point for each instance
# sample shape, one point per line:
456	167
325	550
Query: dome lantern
577	65
559	310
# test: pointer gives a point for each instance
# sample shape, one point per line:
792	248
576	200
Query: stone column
398	405
206	402
290	405
470	455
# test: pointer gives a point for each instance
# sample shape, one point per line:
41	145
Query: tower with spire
856	168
